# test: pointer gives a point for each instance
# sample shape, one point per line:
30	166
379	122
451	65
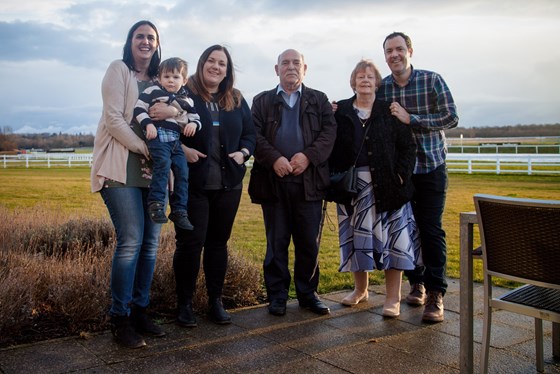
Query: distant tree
505	131
47	141
7	143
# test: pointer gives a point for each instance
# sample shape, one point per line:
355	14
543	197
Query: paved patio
349	340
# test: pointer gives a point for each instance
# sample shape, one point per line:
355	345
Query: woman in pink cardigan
121	172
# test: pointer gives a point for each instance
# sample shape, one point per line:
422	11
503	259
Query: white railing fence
470	163
506	148
506	145
503	163
47	160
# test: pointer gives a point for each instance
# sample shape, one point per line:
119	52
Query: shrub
72	238
55	274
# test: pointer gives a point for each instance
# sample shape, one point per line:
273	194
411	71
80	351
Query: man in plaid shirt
421	99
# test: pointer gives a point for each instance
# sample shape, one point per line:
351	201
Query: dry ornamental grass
54	276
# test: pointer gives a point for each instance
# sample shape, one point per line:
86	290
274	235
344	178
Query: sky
500	59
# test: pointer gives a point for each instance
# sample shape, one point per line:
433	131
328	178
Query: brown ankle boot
417	295
433	311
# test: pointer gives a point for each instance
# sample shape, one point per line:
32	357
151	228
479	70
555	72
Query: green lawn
66	191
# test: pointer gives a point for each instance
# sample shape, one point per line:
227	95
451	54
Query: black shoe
315	305
277	307
124	333
143	324
217	313
181	219
156	210
186	317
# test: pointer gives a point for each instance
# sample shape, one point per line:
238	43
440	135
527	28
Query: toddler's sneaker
181	219
157	212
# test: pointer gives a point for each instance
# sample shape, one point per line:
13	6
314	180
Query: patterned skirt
376	241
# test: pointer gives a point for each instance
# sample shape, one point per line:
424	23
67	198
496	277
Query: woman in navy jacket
216	156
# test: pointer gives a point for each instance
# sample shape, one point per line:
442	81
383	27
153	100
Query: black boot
143	324
124	333
186	317
216	311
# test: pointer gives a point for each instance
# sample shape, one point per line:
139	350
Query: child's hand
190	129
151	132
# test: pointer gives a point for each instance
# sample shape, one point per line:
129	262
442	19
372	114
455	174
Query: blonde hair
362	66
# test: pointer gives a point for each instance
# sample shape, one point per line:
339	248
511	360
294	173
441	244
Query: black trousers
291	218
428	204
212	214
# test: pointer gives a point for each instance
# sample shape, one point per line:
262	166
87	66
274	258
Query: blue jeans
169	156
428	204
135	253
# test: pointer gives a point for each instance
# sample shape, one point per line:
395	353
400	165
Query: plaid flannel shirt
430	104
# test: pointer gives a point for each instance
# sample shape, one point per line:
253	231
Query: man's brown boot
433	311
417	295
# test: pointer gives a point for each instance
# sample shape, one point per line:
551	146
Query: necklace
362	114
363	121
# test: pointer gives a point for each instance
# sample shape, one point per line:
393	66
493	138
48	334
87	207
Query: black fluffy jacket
390	147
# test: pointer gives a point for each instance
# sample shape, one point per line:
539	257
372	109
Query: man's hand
398	111
299	163
334	106
282	167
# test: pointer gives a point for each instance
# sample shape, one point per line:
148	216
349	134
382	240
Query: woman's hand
162	111
192	155
238	157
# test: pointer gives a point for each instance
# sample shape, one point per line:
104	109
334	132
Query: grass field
66	193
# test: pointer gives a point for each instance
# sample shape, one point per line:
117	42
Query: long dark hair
128	59
228	97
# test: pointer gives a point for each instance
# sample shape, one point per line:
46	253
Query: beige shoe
417	295
433	311
360	293
391	309
392	304
355	297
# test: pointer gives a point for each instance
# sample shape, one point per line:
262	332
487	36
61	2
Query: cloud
30	41
497	57
67	96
